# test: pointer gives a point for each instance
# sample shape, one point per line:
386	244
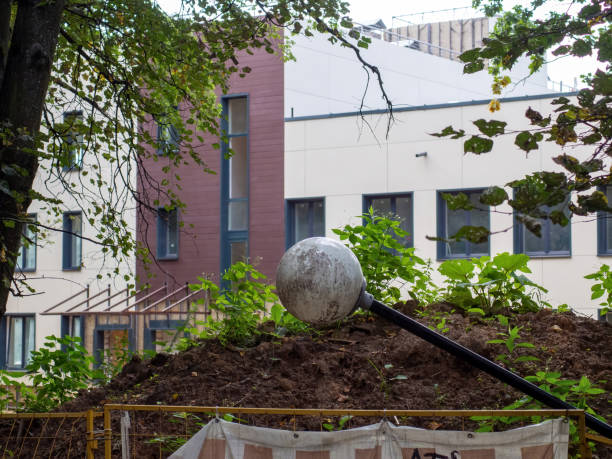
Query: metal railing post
91	441
107	433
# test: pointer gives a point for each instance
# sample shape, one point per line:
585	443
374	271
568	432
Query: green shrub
490	286
386	263
603	287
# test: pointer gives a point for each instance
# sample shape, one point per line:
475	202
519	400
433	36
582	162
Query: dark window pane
301	221
172	242
382	207
608	220
455	219
403	210
238	252
318	219
534	243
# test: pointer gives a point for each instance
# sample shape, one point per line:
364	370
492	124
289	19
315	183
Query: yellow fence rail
155	430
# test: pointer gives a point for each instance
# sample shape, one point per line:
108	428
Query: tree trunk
23	89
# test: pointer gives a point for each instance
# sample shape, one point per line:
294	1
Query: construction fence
156	431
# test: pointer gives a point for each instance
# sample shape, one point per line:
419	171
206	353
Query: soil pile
366	363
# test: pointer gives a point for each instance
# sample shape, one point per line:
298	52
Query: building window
396	207
168	138
73	326
74	145
604	226
555	240
72	243
450	221
305	218
235	182
26	259
20	340
167	234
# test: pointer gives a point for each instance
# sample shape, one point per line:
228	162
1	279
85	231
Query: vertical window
72	241
396	207
167	234
235	182
73	326
168	138
20	340
555	240
450	221
26	259
604	226
305	218
74	146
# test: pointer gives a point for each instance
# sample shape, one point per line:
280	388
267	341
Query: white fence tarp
225	440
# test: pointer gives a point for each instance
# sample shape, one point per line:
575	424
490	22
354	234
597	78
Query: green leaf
449	131
493	196
490	128
527	141
477	145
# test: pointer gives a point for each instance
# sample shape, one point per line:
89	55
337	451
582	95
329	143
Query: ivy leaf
477	145
448	130
490	128
581	48
474	234
527	141
493	196
470	55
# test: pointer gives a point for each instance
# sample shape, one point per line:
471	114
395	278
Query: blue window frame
556	240
18	333
604	226
26	259
167	234
395	206
72	241
450	221
305	218
235	181
74	145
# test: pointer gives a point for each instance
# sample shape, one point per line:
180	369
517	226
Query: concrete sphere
319	280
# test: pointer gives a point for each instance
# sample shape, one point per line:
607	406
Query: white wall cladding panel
343	166
329	79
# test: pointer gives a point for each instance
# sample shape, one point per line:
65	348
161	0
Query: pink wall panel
199	247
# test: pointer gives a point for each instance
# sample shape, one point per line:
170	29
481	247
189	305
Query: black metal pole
482	363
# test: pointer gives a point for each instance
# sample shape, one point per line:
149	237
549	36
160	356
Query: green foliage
57	371
531	31
285	323
329	426
488	286
576	392
379	245
53	376
601	287
385	378
239	308
510	340
123	65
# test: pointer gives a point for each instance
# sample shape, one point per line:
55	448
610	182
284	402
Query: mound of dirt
366	363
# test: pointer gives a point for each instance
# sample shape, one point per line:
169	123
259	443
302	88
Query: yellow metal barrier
48	434
154	427
239	413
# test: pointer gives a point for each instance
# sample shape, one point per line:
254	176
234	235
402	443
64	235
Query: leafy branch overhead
583	121
80	82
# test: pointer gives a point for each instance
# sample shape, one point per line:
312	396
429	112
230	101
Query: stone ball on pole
319	280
